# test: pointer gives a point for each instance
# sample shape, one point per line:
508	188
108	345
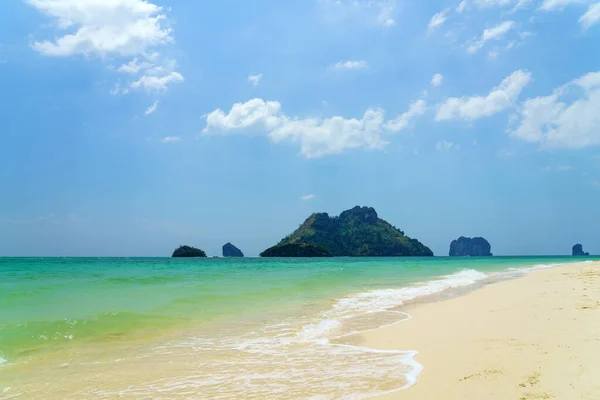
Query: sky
130	127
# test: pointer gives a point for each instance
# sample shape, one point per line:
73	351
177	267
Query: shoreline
533	337
337	345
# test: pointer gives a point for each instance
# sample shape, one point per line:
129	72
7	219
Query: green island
303	250
470	247
188	252
357	232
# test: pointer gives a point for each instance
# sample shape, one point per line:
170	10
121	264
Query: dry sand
537	337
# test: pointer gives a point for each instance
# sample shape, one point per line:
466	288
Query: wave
307	352
386	299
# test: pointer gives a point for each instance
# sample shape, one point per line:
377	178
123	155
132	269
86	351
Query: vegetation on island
470	247
578	251
230	250
188	252
358	232
296	250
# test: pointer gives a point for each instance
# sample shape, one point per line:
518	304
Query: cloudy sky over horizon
130	126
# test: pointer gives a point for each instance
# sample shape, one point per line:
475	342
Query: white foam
385	299
3	360
315	331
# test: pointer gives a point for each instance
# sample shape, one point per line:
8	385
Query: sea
250	328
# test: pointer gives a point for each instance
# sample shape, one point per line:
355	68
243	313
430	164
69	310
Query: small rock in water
230	250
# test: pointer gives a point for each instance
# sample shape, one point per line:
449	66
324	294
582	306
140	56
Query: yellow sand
537	337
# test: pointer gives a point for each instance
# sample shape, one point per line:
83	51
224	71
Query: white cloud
255	79
416	109
255	113
116	29
379	13
307	197
385	17
494	33
553	122
437	80
157	83
502	3
317	136
461	7
134	66
591	17
102	27
152	108
552	5
349	65
500	98
446	146
171	139
438	20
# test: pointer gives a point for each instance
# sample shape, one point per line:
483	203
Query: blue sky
129	127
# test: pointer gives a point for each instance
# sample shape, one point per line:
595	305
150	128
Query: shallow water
216	328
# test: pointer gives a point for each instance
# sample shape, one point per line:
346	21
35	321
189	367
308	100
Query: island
230	250
578	251
358	232
188	252
304	250
470	247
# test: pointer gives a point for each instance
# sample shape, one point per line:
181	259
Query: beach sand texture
537	337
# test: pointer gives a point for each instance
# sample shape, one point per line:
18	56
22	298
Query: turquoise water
53	308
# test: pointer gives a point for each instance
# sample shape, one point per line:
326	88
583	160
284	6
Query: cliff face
473	247
188	252
578	251
295	250
230	250
357	232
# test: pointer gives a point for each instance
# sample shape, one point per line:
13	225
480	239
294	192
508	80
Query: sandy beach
536	337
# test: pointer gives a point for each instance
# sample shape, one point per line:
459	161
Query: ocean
161	328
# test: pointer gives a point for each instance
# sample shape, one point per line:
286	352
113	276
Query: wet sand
537	337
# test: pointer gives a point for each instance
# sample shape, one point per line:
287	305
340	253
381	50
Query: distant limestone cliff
578	251
296	250
473	247
230	250
188	252
358	232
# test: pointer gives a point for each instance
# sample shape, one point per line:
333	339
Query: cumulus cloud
112	28
500	98
416	109
101	27
494	33
438	20
153	83
317	137
255	113
349	65
152	108
437	80
134	66
567	118
255	79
